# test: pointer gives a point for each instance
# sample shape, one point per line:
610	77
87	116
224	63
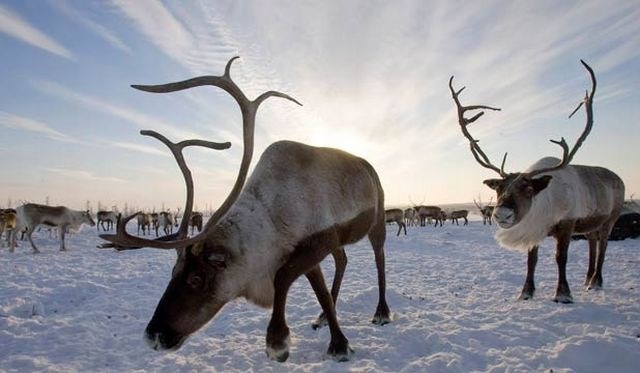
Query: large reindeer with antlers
552	198
301	204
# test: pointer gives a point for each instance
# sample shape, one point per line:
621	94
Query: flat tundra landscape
452	292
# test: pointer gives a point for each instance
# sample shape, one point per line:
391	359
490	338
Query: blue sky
372	76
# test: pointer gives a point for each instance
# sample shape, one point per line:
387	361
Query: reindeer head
209	271
516	191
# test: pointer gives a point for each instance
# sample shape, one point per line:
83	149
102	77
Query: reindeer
8	223
144	222
166	221
552	198
455	215
154	222
410	216
300	204
31	215
486	211
109	217
195	221
429	212
396	215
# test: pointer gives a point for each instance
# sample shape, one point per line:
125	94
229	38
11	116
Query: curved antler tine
248	110
477	152
268	94
504	159
567	155
176	150
227	68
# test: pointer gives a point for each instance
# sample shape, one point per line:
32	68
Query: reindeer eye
218	260
194	281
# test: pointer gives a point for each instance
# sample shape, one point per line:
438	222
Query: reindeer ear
540	183
493	183
217	259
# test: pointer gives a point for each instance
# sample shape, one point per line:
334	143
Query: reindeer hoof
340	352
381	320
565	299
594	284
526	295
279	351
320	322
382	315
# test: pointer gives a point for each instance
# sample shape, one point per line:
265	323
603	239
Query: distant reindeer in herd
459	214
145	222
8	223
301	204
552	198
397	216
429	212
486	211
31	215
410	217
109	217
195	221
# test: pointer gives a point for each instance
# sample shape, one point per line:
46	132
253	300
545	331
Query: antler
248	109
477	152
567	155
122	240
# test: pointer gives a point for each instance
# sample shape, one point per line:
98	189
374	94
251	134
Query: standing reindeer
195	221
144	222
552	198
459	214
486	211
31	215
109	217
301	204
397	216
429	212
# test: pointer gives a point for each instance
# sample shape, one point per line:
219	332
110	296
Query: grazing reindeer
109	217
31	215
552	198
144	222
455	215
396	215
195	221
301	204
486	211
429	212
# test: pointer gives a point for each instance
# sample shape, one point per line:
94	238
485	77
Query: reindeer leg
339	346
563	237
377	236
595	282
340	260
305	257
29	233
529	288
63	229
593	250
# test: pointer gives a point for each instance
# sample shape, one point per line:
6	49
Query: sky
372	77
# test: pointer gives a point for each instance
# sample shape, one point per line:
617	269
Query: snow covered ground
452	292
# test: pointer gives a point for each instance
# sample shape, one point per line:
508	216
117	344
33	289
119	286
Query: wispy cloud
146	149
140	120
27	124
13	25
158	25
67	9
83	175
